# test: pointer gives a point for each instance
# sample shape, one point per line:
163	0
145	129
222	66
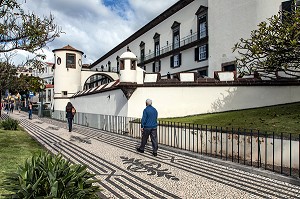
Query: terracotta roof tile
68	47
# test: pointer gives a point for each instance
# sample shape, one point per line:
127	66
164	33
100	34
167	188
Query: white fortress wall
107	103
182	101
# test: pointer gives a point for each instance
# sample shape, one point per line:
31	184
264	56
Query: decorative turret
67	72
129	72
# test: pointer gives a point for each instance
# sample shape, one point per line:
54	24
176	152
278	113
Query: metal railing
277	153
184	41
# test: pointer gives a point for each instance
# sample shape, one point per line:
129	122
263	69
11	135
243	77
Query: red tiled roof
49	86
68	47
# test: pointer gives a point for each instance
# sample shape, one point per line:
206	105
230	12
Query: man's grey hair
149	102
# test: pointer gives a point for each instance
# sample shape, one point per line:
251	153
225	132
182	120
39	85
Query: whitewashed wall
182	101
107	103
67	79
230	20
60	104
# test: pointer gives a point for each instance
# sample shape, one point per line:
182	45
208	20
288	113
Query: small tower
128	63
67	74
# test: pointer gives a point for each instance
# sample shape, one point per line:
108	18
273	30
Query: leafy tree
7	75
20	30
24	31
273	49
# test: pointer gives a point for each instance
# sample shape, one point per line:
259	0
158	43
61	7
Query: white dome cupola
128	65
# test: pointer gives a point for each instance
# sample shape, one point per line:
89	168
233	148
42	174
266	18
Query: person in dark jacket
70	114
30	110
149	127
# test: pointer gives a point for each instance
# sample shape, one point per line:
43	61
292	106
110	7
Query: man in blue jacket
149	127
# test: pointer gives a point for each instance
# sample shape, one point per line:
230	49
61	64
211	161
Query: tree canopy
273	50
20	30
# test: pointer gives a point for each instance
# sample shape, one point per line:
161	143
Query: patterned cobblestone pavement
125	173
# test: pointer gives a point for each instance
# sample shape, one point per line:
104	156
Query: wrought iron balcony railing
184	41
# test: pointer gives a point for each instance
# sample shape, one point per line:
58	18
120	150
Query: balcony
168	48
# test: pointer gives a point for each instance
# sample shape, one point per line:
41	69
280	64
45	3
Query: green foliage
281	118
20	30
273	49
24	30
10	124
15	148
51	176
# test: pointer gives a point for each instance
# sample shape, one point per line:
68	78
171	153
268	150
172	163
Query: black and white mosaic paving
124	173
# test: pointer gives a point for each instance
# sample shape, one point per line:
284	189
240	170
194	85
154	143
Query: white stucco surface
230	20
66	79
182	101
107	103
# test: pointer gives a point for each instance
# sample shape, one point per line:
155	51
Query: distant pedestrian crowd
10	106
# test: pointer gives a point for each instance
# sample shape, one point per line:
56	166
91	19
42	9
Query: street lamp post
40	112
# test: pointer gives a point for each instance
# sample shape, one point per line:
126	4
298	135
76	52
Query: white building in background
45	72
193	35
191	39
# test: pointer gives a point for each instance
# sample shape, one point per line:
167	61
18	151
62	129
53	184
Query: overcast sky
94	26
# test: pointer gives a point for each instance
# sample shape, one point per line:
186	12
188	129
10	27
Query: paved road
125	173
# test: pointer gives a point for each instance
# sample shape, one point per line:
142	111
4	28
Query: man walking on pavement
149	127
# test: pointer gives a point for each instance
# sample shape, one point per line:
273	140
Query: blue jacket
149	119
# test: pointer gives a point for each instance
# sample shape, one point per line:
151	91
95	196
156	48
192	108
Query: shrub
51	176
10	124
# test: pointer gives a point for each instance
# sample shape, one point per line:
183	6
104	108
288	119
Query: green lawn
281	118
15	148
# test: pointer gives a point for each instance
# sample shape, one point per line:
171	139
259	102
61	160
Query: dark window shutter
287	6
159	65
206	46
153	67
179	59
197	54
172	61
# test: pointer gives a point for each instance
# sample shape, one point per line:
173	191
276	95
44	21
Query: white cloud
92	27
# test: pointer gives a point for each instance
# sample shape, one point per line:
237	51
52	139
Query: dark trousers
70	120
153	136
30	113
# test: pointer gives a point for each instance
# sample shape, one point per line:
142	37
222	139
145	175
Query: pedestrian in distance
12	106
149	128
70	112
30	110
7	107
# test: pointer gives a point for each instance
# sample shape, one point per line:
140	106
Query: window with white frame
202	52
176	34
176	40
157	48
175	61
156	66
202	29
70	61
156	44
49	95
202	22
